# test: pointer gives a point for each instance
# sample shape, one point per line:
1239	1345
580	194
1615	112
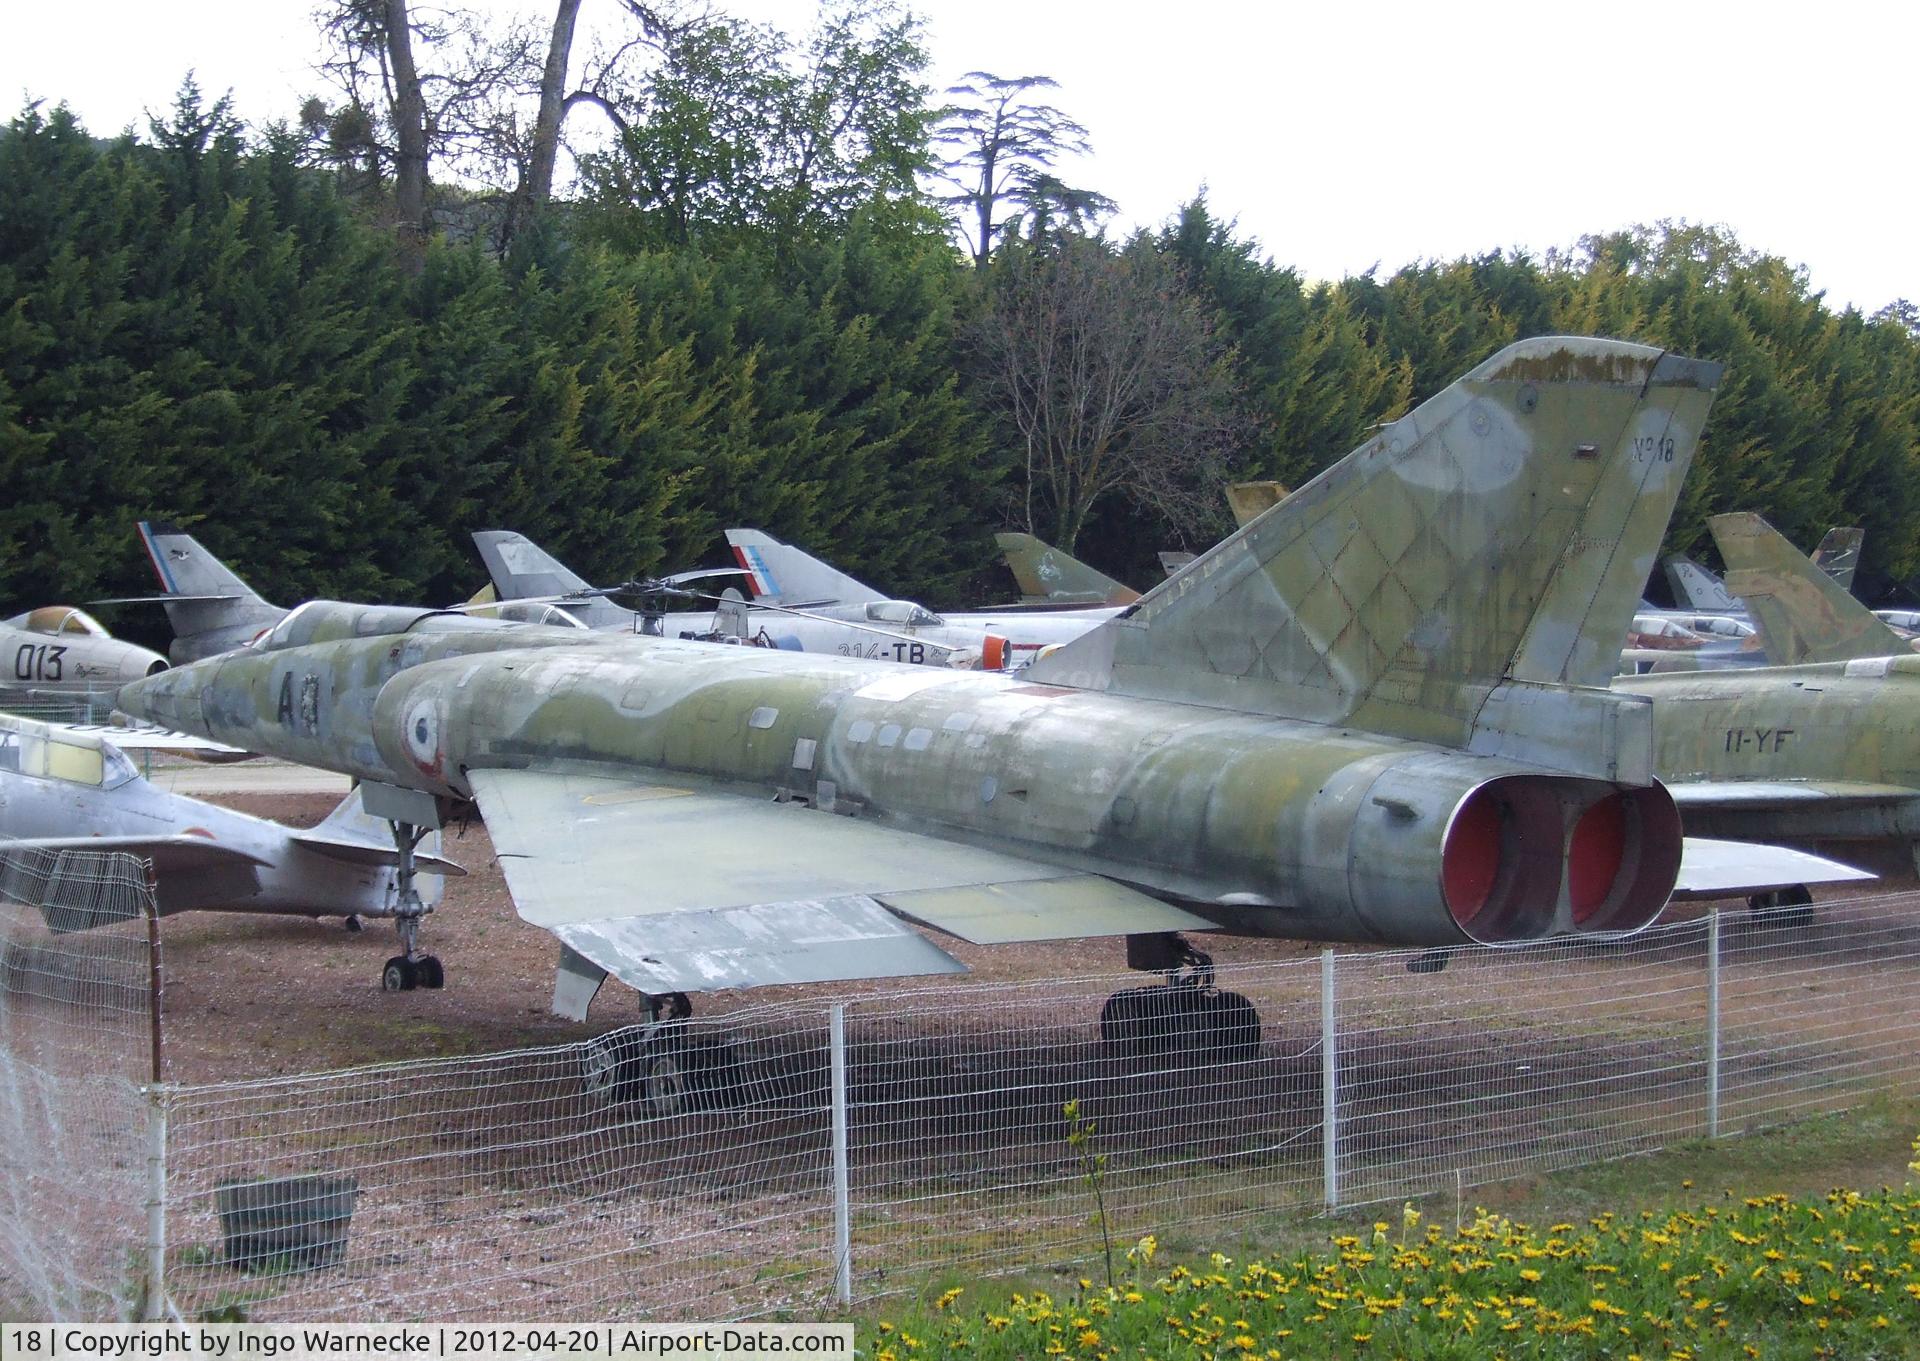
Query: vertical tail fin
1466	577
1695	588
1250	500
781	572
216	611
1839	555
1050	577
1803	613
521	569
349	831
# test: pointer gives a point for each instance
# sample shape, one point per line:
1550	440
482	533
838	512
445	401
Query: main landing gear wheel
661	1065
1185	1011
1785	907
404	975
609	1065
667	1090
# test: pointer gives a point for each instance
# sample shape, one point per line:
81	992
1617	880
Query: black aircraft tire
667	1089
1232	1027
398	976
609	1068
717	1075
428	972
1784	907
1137	1021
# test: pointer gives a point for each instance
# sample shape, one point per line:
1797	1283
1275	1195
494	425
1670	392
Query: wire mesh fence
77	1052
750	1164
584	1181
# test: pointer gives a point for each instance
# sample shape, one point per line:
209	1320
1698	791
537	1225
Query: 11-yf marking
1760	741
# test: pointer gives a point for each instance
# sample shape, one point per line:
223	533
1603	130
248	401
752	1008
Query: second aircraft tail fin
1052	577
211	609
1839	555
1696	588
1804	614
780	572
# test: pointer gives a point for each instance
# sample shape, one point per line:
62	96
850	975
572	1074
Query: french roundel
423	734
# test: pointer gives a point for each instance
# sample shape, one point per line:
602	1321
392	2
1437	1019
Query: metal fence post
154	1304
1329	1085
1713	1024
153	1307
842	1207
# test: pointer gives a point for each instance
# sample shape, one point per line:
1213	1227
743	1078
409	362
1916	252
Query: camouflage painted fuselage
1844	725
1262	825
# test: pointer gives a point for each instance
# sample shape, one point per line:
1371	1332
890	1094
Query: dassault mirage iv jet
1378	713
59	653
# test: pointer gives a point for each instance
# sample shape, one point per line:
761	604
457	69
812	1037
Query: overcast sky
1341	135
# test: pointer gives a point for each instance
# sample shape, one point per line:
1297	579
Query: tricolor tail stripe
760	577
158	559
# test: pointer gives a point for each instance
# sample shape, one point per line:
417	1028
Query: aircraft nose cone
161	697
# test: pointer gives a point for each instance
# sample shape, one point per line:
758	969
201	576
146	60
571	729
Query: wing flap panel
1706	794
820	941
1046	909
1711	868
673	889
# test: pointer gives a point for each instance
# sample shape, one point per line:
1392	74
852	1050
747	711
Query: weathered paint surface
1498	534
1843	738
1804	614
1047	575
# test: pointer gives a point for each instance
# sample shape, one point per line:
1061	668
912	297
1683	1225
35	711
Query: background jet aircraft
523	571
211	609
1714	628
779	573
1699	591
1047	576
1804	612
1378	713
1825	753
61	654
62	790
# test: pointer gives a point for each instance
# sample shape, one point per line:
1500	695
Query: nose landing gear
410	968
410	814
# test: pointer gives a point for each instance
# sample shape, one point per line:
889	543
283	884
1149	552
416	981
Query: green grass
1650	1257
